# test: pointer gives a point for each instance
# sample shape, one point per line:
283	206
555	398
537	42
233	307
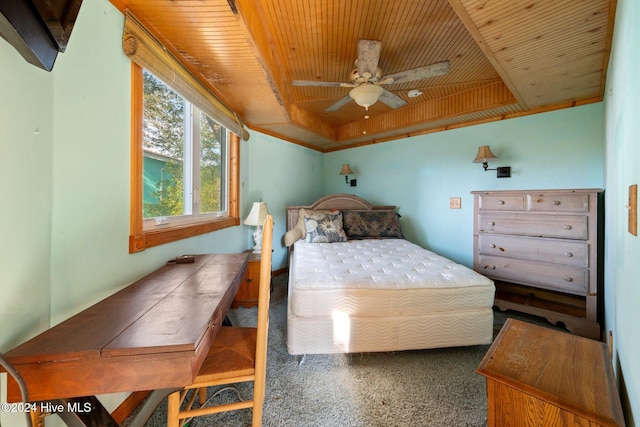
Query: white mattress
380	278
383	295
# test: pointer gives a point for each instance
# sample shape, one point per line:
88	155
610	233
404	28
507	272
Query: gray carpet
410	388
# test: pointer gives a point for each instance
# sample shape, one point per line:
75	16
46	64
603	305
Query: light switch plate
455	203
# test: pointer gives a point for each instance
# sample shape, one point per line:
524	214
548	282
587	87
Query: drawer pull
568	279
567	227
568	254
490	267
492	223
556	202
492	246
501	202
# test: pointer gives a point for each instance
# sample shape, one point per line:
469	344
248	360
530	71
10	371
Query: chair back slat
264	297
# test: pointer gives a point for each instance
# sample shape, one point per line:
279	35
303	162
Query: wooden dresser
538	376
542	248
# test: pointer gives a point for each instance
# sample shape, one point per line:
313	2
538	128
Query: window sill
151	238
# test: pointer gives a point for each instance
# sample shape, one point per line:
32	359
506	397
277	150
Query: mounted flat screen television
38	29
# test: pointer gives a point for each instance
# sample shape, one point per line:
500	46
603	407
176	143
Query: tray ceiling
506	59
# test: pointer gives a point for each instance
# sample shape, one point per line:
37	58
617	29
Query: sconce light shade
484	155
256	218
346	170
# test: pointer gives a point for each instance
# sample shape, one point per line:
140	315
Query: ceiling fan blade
391	99
315	83
433	70
368	56
338	105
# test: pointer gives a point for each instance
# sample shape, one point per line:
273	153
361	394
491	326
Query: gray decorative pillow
324	228
374	224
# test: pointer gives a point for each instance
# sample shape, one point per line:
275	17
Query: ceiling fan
366	79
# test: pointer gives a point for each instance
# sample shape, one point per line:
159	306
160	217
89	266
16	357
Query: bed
356	285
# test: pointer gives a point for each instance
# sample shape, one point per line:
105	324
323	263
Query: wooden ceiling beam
467	20
311	122
254	24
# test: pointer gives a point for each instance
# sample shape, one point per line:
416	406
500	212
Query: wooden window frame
140	239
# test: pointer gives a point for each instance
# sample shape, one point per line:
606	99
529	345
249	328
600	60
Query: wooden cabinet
247	295
542	248
538	376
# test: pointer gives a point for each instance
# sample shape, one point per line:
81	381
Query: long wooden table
151	335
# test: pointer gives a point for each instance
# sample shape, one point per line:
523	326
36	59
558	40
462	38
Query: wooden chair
238	354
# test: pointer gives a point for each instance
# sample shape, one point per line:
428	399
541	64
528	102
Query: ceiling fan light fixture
366	94
366	79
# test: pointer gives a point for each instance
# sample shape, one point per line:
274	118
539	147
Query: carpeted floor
410	388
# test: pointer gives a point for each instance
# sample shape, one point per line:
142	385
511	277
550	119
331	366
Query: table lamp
256	218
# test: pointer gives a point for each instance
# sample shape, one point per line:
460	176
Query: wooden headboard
338	201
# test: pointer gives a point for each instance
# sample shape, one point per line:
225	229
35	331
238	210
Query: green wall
280	174
64	151
26	128
561	149
622	123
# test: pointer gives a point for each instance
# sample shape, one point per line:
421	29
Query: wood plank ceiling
506	59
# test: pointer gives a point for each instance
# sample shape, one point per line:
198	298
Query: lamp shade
484	155
366	94
346	170
257	215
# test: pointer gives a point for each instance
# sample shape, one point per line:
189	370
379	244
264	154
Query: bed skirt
345	334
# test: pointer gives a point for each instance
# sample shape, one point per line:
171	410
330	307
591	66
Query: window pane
212	171
163	136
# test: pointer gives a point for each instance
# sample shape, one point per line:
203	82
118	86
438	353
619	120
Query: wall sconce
256	218
485	156
346	171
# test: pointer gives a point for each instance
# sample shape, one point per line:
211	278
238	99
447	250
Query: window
185	147
184	167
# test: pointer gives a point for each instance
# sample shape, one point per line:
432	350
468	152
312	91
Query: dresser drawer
548	276
558	202
515	202
574	254
560	226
